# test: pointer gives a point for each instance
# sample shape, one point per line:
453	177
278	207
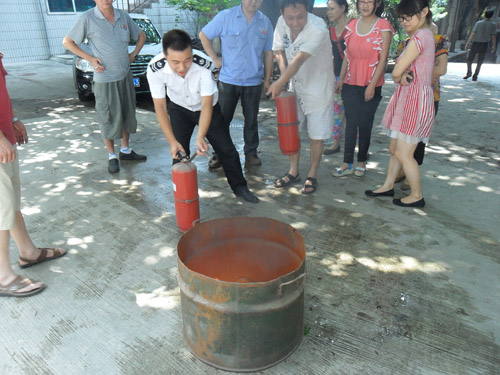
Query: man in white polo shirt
193	95
304	54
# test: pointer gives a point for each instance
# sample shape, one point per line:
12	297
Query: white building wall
22	36
28	32
164	17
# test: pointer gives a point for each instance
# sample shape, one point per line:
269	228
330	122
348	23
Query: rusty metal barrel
242	291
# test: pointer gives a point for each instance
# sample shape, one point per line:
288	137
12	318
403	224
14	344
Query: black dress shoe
330	151
214	163
474	78
468	75
420	203
388	193
113	166
247	195
133	156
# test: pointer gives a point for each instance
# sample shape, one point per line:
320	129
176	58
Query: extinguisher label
175	187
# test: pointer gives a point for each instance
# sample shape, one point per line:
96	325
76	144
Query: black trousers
359	117
418	155
480	49
250	99
183	123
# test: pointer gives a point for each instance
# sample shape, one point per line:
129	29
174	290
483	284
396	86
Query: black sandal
309	189
291	180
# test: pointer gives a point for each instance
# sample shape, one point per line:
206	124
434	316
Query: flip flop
19	283
57	253
291	180
310	188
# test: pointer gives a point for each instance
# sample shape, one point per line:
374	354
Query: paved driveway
388	291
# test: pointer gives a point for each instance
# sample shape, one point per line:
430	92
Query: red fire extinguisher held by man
185	185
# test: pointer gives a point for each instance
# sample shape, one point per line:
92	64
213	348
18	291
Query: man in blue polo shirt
246	40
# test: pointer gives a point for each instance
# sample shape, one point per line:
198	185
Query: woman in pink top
410	113
367	46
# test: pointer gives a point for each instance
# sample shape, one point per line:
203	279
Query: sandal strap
312	179
17	284
280	181
291	179
310	188
41	257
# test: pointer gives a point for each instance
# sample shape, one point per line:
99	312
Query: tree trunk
452	23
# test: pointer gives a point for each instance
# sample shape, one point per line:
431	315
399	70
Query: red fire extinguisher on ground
185	184
288	129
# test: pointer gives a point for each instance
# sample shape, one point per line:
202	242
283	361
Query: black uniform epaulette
201	61
159	65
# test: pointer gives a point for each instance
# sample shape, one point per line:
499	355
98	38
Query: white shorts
10	194
319	124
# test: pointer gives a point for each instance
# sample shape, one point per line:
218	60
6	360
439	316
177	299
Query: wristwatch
15	119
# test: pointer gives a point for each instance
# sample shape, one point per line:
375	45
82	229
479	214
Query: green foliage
203	6
202	11
306	330
438	9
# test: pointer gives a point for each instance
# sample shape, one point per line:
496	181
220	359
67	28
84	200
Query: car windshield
152	35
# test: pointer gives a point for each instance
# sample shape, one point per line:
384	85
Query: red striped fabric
411	108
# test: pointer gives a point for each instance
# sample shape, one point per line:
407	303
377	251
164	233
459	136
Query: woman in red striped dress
410	114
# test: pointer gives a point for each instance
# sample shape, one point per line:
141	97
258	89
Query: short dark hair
489	13
341	3
412	7
379	9
287	3
177	40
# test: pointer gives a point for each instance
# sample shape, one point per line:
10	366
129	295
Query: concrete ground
388	290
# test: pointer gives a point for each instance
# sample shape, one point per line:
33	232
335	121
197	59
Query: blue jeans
250	99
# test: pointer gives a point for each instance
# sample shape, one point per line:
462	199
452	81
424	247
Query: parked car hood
148	49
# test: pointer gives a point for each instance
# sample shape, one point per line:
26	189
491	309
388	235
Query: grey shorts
115	106
10	194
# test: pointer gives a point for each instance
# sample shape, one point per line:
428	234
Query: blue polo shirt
243	45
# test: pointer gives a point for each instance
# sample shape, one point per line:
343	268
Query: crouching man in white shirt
193	95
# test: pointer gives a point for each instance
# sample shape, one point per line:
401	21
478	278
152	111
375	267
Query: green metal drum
242	291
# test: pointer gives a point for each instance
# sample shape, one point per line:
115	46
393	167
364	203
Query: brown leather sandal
56	253
15	287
